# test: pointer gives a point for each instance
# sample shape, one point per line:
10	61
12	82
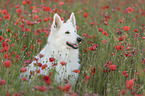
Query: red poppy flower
24	2
104	41
23	69
143	37
19	10
119	47
26	62
7	16
67	88
47	79
77	71
62	63
85	15
92	23
126	75
129	84
47	9
121	38
1	38
4	11
40	55
44	66
2	82
143	61
112	67
61	3
93	71
87	78
8	94
51	59
126	28
43	88
7	63
101	30
129	10
54	64
24	78
105	33
17	6
135	30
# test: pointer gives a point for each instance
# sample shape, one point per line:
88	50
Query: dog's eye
67	32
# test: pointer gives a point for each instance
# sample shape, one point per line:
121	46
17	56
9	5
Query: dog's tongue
76	45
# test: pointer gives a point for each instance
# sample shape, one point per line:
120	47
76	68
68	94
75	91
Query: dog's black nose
79	39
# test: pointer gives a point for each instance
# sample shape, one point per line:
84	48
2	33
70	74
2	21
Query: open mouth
74	46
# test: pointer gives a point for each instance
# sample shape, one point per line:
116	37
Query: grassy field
112	56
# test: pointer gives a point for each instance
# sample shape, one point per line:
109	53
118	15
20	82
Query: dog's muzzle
76	45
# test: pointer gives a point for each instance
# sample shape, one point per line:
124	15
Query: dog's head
65	35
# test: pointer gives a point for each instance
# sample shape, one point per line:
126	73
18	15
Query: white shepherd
62	44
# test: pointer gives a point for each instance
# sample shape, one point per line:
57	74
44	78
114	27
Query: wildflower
135	30
87	78
93	71
62	63
19	10
43	88
112	67
1	38
54	64
128	48
119	47
104	41
129	84
24	78
112	53
66	88
7	63
51	59
23	69
4	11
129	9
105	33
143	61
7	16
76	71
26	62
143	37
8	94
121	38
17	6
44	66
47	9
47	79
92	23
6	56
12	45
85	15
24	2
2	82
126	28
40	55
61	3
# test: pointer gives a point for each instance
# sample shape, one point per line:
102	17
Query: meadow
112	55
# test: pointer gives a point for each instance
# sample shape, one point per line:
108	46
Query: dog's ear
56	21
72	19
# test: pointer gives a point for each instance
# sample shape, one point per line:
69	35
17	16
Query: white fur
56	47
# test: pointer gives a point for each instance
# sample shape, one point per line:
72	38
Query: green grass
103	83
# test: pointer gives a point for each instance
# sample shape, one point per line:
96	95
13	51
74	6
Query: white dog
62	44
